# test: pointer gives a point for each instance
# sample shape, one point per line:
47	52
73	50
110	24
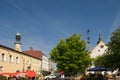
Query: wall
23	62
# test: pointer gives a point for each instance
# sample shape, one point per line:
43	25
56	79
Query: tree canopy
71	55
103	60
114	48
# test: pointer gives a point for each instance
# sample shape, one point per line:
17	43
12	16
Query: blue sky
43	23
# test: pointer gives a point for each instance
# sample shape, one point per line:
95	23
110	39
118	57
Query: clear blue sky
42	23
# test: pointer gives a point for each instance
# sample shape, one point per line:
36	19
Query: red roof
34	53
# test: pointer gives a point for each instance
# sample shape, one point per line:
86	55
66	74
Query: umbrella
30	73
98	69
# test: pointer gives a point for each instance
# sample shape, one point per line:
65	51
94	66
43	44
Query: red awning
22	74
30	73
6	74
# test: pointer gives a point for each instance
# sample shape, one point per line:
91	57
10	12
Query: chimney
31	49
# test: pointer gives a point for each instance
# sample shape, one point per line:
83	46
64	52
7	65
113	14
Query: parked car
51	76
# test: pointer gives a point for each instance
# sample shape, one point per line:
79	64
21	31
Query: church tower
17	44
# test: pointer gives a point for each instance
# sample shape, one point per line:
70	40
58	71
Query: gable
98	50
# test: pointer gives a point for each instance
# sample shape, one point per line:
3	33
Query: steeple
18	43
100	39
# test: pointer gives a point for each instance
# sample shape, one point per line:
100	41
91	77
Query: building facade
51	66
12	60
99	49
36	53
45	63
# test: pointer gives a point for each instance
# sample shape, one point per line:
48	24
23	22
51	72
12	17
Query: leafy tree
103	60
71	55
3	78
114	49
99	61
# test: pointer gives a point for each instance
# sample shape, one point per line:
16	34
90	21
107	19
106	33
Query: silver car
51	76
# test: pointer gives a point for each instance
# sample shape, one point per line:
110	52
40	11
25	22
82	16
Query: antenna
88	33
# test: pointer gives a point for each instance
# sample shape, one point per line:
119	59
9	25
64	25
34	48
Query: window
17	60
11	58
3	57
98	50
1	68
28	63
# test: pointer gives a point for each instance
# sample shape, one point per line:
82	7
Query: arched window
11	58
3	57
1	68
17	60
28	63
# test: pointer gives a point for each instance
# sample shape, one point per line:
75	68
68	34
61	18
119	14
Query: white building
45	63
99	49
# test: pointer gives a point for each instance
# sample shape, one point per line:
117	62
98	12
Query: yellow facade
12	60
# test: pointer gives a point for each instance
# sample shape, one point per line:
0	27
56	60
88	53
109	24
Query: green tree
3	78
99	61
103	60
71	55
114	49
